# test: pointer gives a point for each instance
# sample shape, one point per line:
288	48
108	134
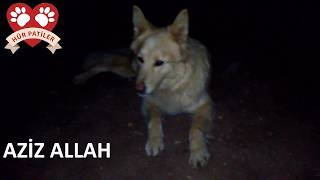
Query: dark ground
264	84
256	135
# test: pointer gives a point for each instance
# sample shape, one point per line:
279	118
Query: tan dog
172	76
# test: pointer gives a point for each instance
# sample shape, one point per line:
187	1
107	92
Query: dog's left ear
180	27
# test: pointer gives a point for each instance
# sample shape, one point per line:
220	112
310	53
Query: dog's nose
140	87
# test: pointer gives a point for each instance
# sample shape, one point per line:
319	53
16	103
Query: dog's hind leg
83	77
121	65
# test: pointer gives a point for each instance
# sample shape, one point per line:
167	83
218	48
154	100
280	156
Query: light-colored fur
179	85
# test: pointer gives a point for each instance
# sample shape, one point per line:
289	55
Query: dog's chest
175	103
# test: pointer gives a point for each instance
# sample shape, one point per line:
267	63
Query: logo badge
32	26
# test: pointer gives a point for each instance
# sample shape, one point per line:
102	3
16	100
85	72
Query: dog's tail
119	62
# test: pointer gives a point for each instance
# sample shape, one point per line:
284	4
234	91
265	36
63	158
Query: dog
172	73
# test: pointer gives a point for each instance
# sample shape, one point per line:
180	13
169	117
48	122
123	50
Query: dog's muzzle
141	88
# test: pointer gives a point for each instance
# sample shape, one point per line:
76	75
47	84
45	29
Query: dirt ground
258	135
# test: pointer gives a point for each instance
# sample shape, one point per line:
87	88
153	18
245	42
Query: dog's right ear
180	27
140	23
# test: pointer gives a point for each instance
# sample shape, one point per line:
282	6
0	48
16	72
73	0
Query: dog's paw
199	157
154	146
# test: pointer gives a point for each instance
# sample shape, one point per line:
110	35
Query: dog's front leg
201	126
155	134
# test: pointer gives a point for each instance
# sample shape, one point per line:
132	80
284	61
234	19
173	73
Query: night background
264	82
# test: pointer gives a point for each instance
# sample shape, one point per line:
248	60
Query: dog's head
157	49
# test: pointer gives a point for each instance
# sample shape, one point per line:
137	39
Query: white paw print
19	16
45	16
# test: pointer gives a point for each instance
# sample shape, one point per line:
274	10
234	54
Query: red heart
18	13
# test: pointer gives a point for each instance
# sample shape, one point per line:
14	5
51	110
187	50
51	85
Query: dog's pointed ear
140	23
180	27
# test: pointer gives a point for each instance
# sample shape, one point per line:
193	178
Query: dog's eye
158	63
140	60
